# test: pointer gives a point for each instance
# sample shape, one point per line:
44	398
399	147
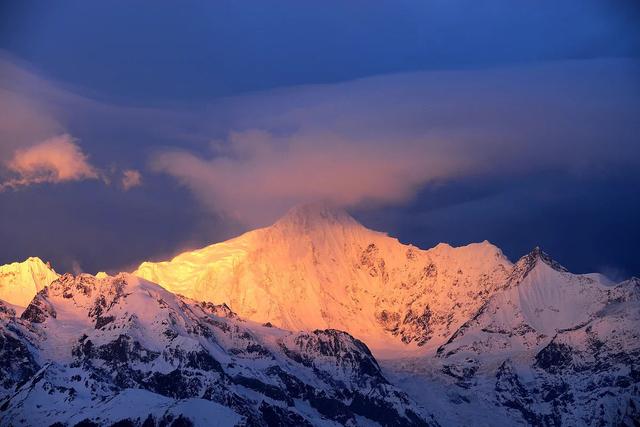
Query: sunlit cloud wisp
55	160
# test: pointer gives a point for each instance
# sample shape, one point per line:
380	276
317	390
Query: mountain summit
20	281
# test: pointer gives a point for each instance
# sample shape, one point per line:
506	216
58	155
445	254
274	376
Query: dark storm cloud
587	222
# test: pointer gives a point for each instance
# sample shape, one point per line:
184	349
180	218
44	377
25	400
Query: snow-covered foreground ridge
464	337
121	349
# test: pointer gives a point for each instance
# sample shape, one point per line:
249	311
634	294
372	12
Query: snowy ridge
551	348
122	349
541	298
20	281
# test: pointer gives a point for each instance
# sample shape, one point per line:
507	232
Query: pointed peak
537	254
544	257
31	262
633	282
315	215
37	261
20	281
528	262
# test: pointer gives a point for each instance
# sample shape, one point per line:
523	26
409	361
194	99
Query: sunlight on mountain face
20	281
319	268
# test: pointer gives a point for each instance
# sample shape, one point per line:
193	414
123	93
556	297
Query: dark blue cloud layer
588	223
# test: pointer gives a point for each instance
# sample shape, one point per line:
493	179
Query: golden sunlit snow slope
20	281
319	268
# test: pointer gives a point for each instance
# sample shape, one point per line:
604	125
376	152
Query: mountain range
317	320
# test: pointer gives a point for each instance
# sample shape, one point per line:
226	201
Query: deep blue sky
527	114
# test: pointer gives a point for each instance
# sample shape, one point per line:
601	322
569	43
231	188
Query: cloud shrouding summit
261	174
381	139
55	160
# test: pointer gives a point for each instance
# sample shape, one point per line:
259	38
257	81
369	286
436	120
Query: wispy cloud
131	178
25	117
35	144
55	160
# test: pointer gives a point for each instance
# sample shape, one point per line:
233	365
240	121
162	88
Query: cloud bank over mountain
381	139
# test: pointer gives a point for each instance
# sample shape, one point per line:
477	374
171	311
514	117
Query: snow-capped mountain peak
20	281
318	268
538	255
527	263
500	343
540	299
